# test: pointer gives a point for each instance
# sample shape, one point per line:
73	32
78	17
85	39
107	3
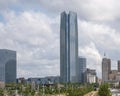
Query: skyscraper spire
104	54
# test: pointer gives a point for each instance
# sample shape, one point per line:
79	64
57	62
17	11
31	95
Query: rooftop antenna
104	54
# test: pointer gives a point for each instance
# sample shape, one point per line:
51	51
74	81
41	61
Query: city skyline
32	29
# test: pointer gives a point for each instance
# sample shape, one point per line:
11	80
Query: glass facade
68	47
7	66
81	68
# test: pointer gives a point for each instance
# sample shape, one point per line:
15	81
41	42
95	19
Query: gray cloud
90	10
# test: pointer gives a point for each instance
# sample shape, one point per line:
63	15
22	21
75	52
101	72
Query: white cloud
32	36
94	40
103	35
32	29
88	9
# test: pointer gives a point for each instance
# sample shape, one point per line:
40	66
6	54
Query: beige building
118	76
2	84
112	74
106	68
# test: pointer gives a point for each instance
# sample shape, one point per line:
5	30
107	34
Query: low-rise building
112	74
118	76
45	80
21	80
90	76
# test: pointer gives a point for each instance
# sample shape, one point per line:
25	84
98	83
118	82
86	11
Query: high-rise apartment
68	47
82	68
106	68
7	66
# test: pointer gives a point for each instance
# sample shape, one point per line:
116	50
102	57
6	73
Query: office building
7	66
82	68
106	68
68	47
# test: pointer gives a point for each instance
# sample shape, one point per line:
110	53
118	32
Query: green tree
1	92
104	90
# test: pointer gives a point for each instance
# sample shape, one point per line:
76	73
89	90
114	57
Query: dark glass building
7	65
68	47
82	68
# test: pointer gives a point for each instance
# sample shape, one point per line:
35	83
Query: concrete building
2	85
106	68
81	68
118	76
68	47
112	75
90	76
7	66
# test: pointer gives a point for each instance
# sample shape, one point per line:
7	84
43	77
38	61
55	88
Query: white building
90	76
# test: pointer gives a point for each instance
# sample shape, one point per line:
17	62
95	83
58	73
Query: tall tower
106	68
7	66
68	47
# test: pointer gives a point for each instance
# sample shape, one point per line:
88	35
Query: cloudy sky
32	28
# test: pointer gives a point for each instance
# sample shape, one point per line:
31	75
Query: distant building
68	47
119	65
21	80
112	75
106	68
118	76
7	66
99	81
45	80
108	75
90	76
81	68
2	85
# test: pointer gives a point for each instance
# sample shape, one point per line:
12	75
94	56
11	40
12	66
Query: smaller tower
81	69
106	68
118	65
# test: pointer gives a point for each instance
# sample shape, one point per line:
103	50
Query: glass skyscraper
81	68
68	47
7	65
